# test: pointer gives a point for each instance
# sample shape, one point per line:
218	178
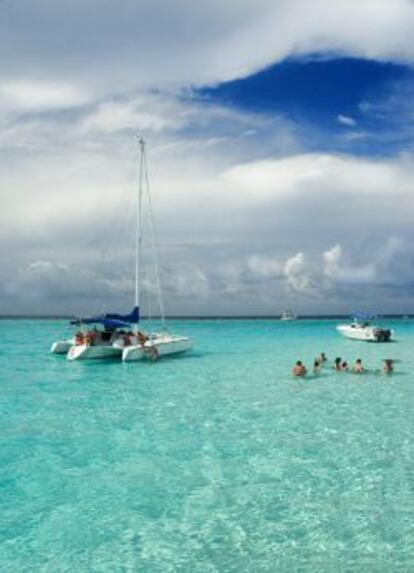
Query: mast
138	232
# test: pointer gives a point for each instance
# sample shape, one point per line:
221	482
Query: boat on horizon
288	315
361	328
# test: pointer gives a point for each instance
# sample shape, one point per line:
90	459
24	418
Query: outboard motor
382	334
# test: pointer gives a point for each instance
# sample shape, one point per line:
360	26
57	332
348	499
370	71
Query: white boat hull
365	333
61	346
90	352
158	347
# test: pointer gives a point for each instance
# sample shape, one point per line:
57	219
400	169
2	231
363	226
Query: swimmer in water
316	366
299	369
321	358
388	366
337	364
358	368
344	366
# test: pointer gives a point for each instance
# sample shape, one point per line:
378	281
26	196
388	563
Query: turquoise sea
218	461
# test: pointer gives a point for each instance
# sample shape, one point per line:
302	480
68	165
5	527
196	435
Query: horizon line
206	317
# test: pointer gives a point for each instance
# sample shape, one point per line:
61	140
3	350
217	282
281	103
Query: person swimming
321	358
337	364
317	365
358	368
388	366
344	366
299	369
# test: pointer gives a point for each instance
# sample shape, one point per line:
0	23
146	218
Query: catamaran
118	335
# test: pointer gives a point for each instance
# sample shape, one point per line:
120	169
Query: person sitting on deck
358	368
299	369
142	338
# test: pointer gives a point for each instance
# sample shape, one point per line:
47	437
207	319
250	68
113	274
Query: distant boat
288	315
361	328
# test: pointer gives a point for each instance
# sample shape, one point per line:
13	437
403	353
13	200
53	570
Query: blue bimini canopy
132	317
107	323
362	316
111	320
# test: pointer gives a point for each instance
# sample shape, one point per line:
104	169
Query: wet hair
338	360
316	362
299	363
358	361
344	364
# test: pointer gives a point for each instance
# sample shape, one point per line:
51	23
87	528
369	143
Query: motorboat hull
157	347
365	333
91	352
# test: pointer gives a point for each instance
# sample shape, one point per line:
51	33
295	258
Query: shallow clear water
214	461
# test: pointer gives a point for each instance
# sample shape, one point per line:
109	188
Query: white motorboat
361	329
288	315
146	344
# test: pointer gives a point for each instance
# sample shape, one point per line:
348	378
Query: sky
280	142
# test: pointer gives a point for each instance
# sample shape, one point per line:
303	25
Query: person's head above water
338	360
299	363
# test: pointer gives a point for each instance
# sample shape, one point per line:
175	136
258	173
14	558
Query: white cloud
336	270
266	267
28	95
297	274
346	120
304	173
151	45
146	113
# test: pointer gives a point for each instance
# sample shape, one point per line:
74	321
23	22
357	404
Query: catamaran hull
87	352
61	346
157	348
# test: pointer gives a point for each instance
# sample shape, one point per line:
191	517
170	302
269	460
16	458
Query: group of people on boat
95	336
339	365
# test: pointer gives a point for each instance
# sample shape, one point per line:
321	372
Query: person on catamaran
358	368
299	369
142	338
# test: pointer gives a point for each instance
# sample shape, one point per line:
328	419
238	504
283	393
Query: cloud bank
252	219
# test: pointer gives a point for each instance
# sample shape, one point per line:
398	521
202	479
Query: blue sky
330	96
280	142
